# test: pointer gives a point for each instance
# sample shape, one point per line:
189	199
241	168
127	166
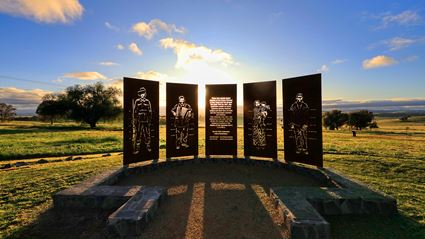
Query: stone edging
300	207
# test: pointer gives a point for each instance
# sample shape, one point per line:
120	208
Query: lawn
35	139
390	159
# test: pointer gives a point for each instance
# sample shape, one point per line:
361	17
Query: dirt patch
211	200
218	201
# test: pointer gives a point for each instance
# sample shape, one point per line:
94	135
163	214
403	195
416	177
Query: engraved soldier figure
299	123
183	115
142	116
259	123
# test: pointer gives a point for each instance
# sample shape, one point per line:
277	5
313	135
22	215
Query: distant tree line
87	104
335	119
404	118
91	103
7	112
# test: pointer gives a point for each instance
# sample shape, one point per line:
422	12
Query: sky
367	51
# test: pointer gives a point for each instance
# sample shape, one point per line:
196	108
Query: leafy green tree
334	119
6	112
90	103
52	107
361	119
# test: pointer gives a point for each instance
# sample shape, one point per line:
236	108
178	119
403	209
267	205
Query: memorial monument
301	208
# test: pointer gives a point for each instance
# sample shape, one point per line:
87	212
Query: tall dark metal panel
182	120
141	120
302	113
260	138
221	120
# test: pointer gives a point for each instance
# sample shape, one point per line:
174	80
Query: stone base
132	217
136	204
302	207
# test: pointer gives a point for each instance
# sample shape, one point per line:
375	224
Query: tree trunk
92	125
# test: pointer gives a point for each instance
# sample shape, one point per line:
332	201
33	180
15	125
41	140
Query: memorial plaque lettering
221	120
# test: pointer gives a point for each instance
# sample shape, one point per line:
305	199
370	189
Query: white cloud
116	83
188	53
339	61
87	75
148	75
398	43
46	11
378	61
394	104
323	68
58	80
151	75
411	58
23	100
148	30
120	47
405	18
111	27
135	49
108	63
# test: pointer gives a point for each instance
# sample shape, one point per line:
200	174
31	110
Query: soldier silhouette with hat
142	117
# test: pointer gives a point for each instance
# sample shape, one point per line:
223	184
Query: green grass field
35	139
390	159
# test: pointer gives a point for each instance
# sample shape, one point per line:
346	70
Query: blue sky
366	50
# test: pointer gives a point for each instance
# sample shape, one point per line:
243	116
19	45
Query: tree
361	119
334	119
6	112
373	125
90	103
404	118
52	107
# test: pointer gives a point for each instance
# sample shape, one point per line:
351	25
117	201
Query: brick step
302	207
99	197
132	217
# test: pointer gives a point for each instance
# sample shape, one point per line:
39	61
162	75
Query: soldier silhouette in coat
299	120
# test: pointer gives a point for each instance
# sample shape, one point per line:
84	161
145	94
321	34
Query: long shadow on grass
65	224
